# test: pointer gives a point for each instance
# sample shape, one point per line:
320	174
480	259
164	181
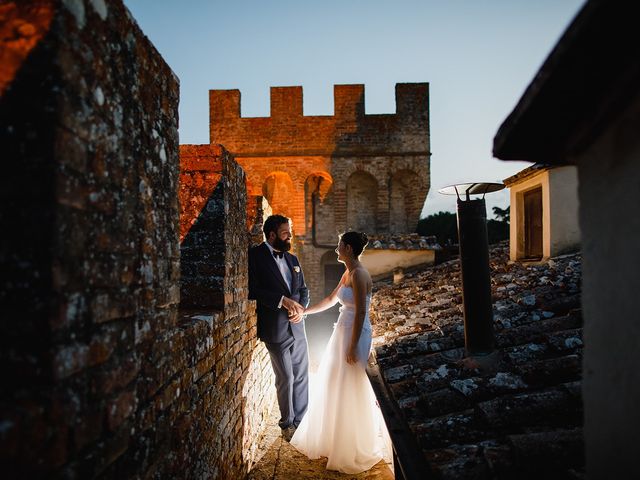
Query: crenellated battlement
348	101
287	131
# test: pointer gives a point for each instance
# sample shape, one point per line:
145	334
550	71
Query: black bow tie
278	254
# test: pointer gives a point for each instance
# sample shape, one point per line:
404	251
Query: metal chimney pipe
476	281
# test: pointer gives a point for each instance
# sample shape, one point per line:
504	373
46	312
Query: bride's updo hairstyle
357	241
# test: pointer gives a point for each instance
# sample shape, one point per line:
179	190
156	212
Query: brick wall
238	383
104	375
348	132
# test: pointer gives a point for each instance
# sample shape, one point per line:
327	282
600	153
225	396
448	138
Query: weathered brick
88	428
114	380
120	408
70	359
116	375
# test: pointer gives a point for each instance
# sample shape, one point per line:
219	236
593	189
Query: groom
277	284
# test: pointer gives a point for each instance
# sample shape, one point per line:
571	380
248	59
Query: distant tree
443	225
502	214
498	230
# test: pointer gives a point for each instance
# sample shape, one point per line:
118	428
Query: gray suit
285	341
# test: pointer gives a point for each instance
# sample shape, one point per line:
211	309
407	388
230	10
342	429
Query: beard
281	245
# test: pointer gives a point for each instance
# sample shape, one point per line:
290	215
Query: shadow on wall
202	249
214	279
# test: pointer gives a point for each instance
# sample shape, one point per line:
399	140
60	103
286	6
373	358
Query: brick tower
330	174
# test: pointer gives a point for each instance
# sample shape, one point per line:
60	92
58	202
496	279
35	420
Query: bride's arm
329	301
359	285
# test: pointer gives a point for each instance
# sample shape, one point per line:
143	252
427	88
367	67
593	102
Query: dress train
343	421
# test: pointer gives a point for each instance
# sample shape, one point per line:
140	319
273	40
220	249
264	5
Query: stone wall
103	374
202	225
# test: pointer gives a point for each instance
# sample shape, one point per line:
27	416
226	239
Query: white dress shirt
284	270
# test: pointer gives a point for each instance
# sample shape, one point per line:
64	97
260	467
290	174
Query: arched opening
404	202
362	202
332	271
279	191
319	212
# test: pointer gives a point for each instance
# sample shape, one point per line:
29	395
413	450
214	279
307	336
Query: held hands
296	311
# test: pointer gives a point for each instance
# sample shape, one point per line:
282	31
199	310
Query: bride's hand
352	356
297	318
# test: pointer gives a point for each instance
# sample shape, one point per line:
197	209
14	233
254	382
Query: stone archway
279	191
320	183
362	202
331	270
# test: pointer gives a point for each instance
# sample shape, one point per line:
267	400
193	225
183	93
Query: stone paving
280	461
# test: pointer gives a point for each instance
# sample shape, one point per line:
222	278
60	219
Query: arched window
331	270
320	183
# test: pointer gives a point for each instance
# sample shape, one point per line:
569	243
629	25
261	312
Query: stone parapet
104	375
234	403
90	258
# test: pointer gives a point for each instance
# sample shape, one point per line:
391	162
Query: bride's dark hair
357	240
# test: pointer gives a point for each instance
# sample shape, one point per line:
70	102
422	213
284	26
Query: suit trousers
290	361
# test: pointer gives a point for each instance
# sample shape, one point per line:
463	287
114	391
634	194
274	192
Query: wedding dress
343	421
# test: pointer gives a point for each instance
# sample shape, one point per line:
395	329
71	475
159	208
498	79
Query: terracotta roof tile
508	414
402	241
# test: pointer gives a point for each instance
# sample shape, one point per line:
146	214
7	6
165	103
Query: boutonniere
296	269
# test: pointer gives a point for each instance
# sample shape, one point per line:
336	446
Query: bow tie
278	254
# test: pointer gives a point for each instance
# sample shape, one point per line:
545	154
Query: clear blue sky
477	55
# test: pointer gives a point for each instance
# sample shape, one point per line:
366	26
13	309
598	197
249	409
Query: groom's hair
272	223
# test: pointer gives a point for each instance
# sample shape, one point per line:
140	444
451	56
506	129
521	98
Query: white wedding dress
343	421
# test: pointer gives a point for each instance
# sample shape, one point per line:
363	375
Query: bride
343	422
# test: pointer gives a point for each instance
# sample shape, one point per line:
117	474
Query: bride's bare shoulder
362	273
362	278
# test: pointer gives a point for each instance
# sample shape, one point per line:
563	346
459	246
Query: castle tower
331	174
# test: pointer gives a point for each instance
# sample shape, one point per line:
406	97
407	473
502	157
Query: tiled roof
402	241
526	173
508	415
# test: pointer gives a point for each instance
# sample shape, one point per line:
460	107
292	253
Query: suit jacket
267	286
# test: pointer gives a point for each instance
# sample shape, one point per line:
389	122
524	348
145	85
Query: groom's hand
292	306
